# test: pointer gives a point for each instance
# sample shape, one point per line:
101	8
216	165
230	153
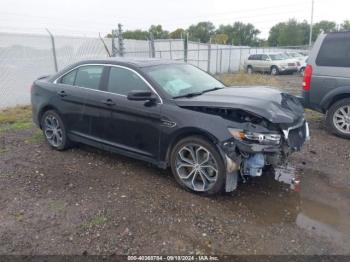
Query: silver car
274	64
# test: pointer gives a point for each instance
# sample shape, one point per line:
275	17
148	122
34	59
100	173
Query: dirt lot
85	201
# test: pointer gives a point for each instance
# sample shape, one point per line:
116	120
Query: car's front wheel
198	166
249	70
54	130
274	71
338	118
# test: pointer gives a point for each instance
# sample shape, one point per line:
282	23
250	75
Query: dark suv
170	114
326	86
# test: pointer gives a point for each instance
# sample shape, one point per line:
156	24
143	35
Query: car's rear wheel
338	118
198	166
274	71
54	130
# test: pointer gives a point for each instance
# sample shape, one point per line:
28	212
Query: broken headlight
261	138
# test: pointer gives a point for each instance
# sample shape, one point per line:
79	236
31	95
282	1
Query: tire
202	172
274	70
249	70
54	130
301	71
338	118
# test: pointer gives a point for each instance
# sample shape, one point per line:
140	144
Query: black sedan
170	114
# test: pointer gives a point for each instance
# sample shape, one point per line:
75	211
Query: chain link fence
23	58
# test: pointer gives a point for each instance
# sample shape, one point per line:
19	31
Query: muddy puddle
320	208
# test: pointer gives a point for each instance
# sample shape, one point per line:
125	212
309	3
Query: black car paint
147	130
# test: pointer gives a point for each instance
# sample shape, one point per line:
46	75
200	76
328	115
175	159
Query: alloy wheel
196	167
53	131
341	119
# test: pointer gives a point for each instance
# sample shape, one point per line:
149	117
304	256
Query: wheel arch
186	132
334	96
43	109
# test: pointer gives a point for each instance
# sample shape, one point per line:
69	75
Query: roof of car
138	62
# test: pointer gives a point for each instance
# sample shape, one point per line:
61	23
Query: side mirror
138	95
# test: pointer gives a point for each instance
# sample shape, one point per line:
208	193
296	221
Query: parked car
170	114
301	60
302	66
326	85
272	63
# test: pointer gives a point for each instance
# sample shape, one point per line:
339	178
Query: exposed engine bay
257	142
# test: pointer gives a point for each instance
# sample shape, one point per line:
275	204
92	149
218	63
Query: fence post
209	56
186	48
153	49
220	61
198	52
53	50
229	59
170	49
120	40
114	48
216	59
240	59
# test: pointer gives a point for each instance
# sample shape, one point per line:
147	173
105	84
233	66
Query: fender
329	98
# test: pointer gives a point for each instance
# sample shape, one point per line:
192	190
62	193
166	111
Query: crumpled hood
271	104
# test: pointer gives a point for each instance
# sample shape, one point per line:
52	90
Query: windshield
182	79
278	56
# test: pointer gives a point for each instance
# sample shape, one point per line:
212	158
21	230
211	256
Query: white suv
273	63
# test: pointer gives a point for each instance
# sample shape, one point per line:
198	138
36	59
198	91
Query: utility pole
311	25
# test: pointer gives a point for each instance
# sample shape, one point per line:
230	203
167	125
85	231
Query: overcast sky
88	17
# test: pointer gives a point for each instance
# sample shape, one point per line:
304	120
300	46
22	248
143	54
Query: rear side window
89	76
69	78
122	81
335	51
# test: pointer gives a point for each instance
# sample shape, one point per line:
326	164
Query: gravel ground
85	201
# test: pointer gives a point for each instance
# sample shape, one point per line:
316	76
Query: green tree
323	26
240	33
158	32
289	33
177	34
220	39
136	34
345	26
202	31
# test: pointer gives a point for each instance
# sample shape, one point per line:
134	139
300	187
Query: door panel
80	97
129	125
132	125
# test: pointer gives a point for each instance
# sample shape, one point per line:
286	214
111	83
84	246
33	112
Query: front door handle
62	93
108	102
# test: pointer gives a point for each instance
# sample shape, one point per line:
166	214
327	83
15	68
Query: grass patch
99	220
56	205
313	115
16	118
3	151
243	79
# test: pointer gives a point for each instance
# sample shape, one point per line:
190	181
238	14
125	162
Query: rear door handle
62	93
108	102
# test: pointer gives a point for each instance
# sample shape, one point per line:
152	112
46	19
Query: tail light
307	78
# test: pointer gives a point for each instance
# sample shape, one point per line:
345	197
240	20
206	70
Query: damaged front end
264	127
254	147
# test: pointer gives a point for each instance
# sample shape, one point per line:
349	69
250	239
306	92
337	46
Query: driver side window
122	81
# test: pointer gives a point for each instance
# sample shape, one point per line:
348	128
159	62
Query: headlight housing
253	137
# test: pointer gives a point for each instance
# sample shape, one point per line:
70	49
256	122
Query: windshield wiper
198	93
